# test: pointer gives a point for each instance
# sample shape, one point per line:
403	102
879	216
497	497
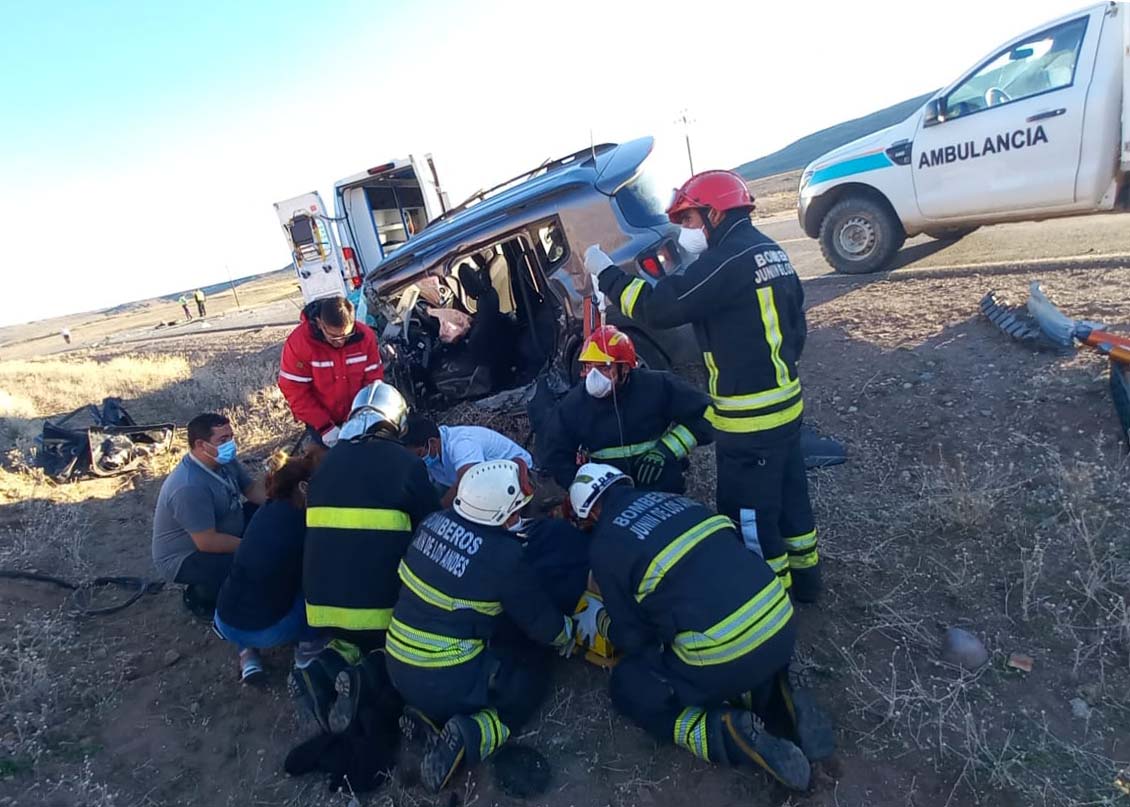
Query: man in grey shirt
201	512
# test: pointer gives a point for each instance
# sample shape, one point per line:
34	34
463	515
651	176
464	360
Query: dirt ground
775	195
985	489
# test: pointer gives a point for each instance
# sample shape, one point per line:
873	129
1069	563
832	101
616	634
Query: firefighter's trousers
678	703
499	690
763	489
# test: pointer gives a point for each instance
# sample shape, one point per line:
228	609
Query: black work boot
811	725
445	753
356	686
312	686
747	741
418	733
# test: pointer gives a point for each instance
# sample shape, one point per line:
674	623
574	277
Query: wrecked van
525	239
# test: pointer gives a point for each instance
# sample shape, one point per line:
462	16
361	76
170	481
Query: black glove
649	467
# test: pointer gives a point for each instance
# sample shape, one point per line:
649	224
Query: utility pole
232	284
685	119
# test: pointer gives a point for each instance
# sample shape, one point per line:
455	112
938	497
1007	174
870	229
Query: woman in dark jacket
261	604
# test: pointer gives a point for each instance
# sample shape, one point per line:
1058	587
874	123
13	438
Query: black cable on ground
81	592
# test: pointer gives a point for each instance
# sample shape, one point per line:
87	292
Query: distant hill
801	152
217	288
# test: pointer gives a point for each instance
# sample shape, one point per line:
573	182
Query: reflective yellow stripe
778	564
690	732
358	518
772	323
756	423
629	295
419	648
333	616
679	441
805	561
712	373
433	596
749	627
757	400
802	543
676	551
622	452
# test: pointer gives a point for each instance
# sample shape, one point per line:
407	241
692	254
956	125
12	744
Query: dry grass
964	529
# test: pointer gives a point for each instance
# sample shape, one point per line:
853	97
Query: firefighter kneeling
641	421
459	645
705	627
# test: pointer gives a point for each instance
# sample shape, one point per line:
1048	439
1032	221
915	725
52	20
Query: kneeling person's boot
465	740
357	686
746	741
312	686
811	725
418	733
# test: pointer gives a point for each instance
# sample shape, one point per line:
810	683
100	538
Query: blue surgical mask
225	452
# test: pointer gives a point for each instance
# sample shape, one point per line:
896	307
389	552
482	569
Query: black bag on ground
99	442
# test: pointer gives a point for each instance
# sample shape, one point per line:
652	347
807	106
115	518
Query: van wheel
859	235
951	233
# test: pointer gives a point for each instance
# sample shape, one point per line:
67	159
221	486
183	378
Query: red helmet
608	345
720	190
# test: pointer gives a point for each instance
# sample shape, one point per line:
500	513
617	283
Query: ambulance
376	211
1036	129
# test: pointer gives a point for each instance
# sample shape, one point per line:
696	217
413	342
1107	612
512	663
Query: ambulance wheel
950	233
860	235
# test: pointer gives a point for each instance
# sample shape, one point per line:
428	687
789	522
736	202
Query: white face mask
597	384
521	525
693	240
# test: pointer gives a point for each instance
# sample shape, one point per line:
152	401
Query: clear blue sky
142	144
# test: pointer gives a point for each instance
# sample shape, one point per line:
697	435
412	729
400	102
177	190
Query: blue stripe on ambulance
856	165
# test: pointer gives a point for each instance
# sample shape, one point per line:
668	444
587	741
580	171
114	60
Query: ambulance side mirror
935	112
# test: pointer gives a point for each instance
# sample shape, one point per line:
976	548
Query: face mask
225	452
693	240
521	525
597	384
432	461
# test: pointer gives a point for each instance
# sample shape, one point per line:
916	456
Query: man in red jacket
326	361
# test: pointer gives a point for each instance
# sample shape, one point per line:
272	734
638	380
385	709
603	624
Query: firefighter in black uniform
706	630
745	302
645	423
367	497
459	646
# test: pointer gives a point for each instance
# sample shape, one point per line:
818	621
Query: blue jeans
291	628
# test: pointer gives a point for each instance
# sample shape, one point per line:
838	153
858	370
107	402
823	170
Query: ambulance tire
951	233
860	235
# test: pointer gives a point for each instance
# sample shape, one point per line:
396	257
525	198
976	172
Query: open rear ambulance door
313	248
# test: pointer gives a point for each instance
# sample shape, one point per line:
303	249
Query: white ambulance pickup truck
1037	129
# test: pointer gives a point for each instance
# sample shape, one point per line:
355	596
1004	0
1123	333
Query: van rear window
644	200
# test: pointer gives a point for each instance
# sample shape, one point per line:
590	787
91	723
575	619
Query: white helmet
375	405
491	492
591	481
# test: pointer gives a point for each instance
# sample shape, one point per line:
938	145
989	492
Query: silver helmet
378	404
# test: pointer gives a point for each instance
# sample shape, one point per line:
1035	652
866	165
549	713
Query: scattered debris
962	649
1019	661
1013	320
170	658
1122	781
1065	331
100	441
